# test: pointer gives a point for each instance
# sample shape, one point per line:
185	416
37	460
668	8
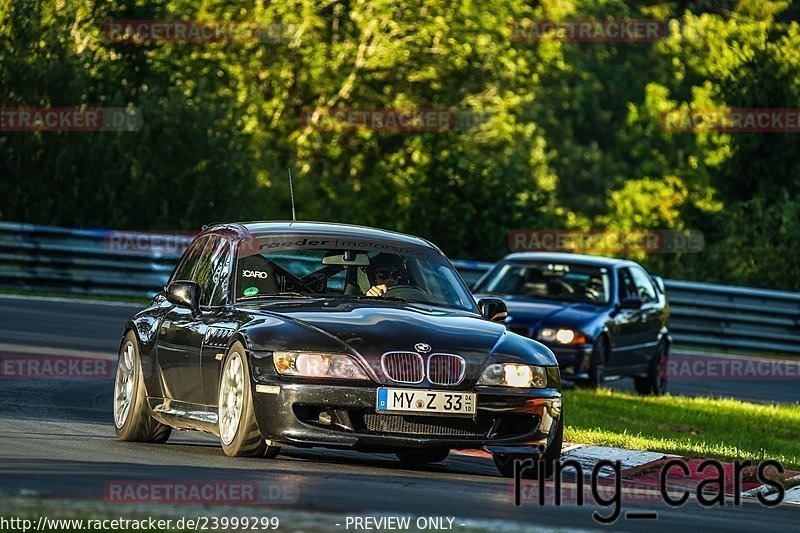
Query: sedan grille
446	369
403	367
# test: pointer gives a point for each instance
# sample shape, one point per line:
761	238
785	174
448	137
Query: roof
575	259
248	230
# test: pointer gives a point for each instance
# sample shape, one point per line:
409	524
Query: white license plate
427	401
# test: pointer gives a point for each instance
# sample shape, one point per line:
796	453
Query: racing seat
256	271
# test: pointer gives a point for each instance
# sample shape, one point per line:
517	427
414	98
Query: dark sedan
310	334
602	317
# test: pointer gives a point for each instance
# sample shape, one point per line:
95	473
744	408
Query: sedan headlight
318	365
561	336
514	375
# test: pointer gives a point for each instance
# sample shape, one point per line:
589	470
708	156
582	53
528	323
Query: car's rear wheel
505	462
655	382
421	457
238	430
132	418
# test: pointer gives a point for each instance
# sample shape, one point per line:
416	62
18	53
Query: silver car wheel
123	384
231	398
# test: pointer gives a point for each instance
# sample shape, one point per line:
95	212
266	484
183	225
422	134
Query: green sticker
251	291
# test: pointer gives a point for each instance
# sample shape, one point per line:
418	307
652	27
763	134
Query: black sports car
311	334
602	317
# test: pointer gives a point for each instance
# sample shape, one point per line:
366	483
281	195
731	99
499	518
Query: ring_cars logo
254	274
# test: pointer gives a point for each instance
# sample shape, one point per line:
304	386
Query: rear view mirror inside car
347	257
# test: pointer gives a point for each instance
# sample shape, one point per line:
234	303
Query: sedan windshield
549	281
333	267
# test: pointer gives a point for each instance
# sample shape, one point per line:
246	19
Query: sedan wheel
238	431
597	366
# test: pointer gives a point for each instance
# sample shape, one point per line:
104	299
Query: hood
534	313
371	329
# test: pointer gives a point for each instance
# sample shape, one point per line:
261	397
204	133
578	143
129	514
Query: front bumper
339	415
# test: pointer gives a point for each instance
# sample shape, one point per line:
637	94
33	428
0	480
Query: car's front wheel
238	431
421	457
505	462
597	364
655	382
132	419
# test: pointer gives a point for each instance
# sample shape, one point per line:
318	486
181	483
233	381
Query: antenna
291	192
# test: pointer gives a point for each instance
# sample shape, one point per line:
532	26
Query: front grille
403	367
427	425
446	369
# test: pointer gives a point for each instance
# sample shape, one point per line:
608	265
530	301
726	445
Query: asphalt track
57	443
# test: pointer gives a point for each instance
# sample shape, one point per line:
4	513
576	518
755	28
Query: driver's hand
377	290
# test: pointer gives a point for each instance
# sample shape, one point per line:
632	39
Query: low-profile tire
655	382
422	457
597	364
132	419
505	462
238	430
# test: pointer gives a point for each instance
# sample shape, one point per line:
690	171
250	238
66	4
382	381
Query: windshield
332	267
550	281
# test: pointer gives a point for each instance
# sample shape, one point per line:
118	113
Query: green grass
724	429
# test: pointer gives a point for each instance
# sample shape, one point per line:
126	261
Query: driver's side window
212	272
185	269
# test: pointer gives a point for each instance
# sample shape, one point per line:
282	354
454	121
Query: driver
388	270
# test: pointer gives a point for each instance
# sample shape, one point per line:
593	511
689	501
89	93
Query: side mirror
493	309
630	303
184	294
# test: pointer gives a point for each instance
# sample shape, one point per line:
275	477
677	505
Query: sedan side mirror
184	294
493	309
630	303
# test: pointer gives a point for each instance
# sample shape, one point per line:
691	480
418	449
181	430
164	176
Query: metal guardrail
104	262
88	262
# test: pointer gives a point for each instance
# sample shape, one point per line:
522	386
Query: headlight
562	336
317	365
514	375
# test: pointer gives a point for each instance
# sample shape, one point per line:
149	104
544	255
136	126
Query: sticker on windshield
250	291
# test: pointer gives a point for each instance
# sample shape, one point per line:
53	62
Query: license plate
427	401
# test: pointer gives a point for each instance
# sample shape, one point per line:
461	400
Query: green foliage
572	136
